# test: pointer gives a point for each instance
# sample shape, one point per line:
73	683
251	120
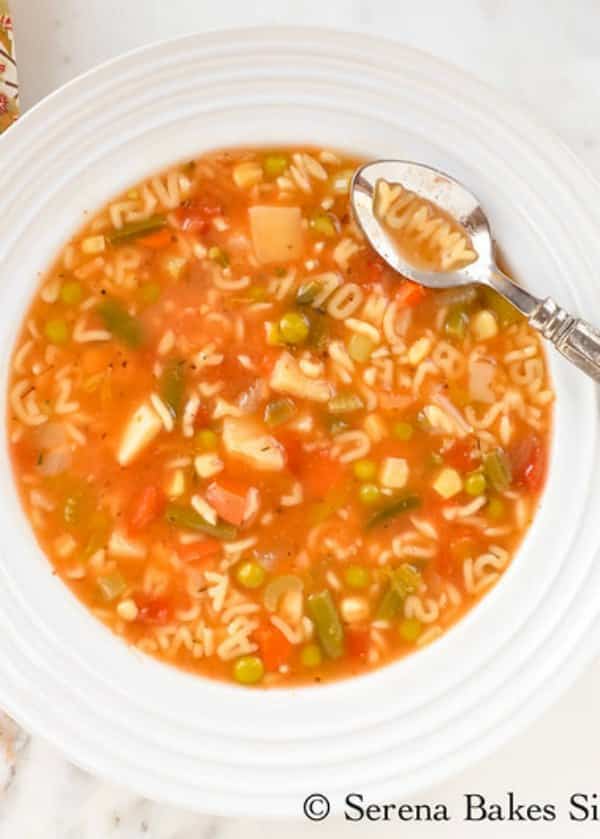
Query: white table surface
546	55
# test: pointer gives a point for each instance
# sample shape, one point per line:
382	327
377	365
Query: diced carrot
152	610
357	642
230	499
275	649
320	474
157	241
146	507
197	551
409	294
95	359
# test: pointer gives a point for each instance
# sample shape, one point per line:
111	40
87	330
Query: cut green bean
172	386
279	411
395	508
345	403
496	467
189	519
135	229
307	292
328	625
120	323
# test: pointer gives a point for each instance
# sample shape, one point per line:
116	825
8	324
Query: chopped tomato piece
528	461
196	551
461	455
157	241
275	649
409	294
195	215
293	451
147	507
152	610
357	642
231	499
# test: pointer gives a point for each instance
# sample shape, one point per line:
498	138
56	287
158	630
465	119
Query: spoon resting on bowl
396	199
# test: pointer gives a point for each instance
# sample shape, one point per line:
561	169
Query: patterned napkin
9	89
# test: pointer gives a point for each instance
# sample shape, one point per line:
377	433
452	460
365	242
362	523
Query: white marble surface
546	55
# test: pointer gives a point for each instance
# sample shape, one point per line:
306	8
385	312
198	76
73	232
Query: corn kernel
127	610
247	174
93	244
484	325
448	483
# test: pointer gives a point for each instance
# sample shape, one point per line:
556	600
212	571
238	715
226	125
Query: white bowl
223	749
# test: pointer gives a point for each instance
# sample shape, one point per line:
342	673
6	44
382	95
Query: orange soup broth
184	291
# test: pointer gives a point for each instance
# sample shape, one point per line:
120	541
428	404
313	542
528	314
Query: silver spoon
574	338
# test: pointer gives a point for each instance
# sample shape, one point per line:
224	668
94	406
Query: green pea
365	470
71	293
294	327
457	323
311	655
275	165
57	331
495	508
475	483
369	494
409	629
356	576
250	574
323	225
149	293
248	670
206	440
403	431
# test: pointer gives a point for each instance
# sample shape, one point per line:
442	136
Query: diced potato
207	465
448	483
287	377
484	325
276	233
247	174
245	439
142	428
120	545
394	472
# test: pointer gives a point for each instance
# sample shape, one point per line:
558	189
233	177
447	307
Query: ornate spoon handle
574	338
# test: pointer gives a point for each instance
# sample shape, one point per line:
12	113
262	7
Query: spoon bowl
574	338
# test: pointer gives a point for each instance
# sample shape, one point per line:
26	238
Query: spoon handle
576	339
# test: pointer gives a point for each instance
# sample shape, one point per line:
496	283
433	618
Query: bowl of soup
278	519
